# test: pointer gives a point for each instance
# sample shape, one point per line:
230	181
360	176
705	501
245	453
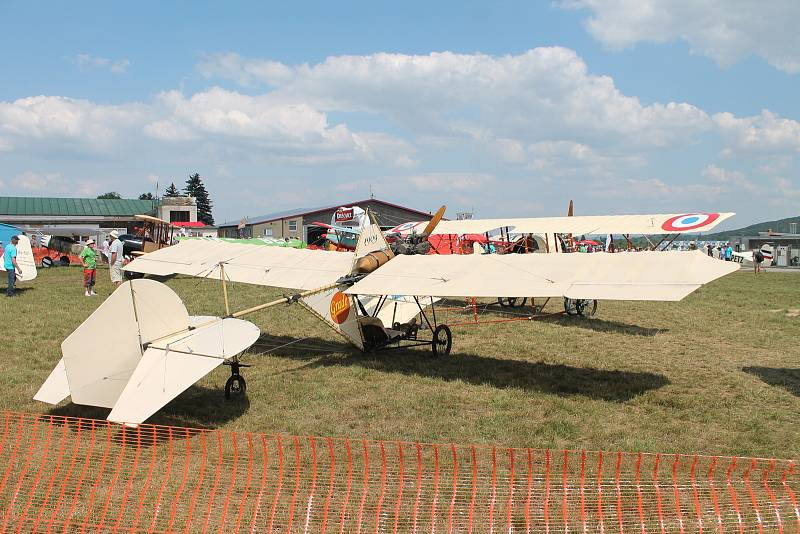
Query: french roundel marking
689	221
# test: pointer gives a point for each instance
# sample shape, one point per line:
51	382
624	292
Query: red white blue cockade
689	221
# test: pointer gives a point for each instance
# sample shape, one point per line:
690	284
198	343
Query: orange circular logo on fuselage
340	307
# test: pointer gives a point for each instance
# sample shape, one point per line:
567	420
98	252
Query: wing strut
283	300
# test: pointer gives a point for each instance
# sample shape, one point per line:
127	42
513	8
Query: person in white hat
115	263
89	259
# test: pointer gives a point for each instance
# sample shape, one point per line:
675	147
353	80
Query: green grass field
718	373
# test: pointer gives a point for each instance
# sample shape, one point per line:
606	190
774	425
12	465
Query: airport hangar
82	218
298	223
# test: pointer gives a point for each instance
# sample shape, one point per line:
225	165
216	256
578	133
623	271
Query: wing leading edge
670	223
267	266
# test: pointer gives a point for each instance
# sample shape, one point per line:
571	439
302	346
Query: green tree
147	196
195	188
172	191
110	195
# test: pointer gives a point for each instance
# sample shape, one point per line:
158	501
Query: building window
292	226
178	216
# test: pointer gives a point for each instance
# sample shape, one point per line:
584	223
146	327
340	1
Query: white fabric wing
623	276
672	223
252	264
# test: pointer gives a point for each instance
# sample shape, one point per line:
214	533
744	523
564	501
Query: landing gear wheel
586	307
235	386
570	306
442	340
63	261
47	262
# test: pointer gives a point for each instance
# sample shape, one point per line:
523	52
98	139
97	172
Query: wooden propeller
435	221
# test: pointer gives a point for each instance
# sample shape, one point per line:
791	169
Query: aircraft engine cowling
409	248
370	262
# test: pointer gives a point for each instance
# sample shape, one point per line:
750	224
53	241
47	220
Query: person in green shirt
89	259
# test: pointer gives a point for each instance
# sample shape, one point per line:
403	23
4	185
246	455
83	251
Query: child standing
89	260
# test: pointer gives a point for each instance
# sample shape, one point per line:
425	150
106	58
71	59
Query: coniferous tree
172	191
195	188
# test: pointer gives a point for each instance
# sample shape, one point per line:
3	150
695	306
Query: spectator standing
10	264
115	263
758	258
89	259
728	252
105	251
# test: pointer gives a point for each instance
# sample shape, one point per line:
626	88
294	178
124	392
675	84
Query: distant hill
781	225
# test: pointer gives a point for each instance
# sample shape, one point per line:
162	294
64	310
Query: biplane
372	297
153	234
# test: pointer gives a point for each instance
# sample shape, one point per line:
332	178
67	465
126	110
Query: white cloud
447	182
53	183
569	158
724	30
295	131
654	188
725	177
245	72
443	181
87	61
65	120
544	93
765	133
786	188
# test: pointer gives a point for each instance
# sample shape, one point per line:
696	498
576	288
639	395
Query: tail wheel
442	340
235	386
586	307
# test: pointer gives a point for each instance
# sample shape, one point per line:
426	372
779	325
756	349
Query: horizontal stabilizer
172	365
56	387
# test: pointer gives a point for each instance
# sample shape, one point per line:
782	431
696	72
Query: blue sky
504	108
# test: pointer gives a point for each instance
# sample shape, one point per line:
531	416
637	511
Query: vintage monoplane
372	297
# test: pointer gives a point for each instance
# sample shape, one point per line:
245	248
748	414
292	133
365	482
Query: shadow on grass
602	325
18	290
784	377
198	406
556	379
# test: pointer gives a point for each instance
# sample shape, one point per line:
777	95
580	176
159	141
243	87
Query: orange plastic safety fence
62	474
